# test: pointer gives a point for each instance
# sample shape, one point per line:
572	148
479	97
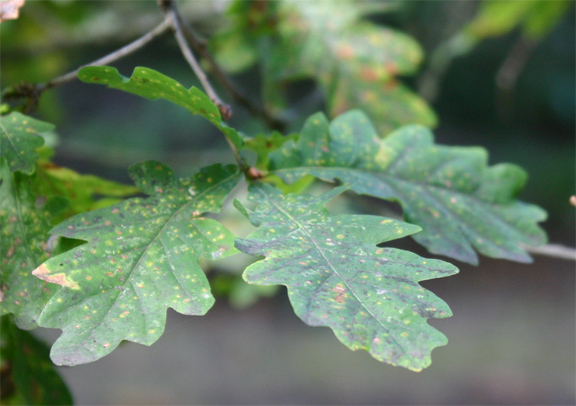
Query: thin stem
114	56
169	7
174	17
512	67
199	44
239	160
554	250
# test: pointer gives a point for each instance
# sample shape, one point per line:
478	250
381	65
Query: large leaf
24	244
19	140
28	376
338	277
153	85
355	62
141	258
460	203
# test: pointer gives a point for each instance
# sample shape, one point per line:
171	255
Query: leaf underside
461	204
19	140
141	257
338	277
153	85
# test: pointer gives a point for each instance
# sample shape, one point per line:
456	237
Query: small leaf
141	258
20	138
24	244
460	202
28	376
153	85
263	145
80	190
338	277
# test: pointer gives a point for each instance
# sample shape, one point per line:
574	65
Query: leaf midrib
158	234
304	229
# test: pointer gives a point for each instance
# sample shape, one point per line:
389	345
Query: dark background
512	336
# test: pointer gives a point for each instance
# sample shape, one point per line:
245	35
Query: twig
169	8
512	67
114	56
554	250
33	91
174	18
199	44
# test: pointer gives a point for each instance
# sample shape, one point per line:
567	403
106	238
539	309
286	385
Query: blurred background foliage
500	74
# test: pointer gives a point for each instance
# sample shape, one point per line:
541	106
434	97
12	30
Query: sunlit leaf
338	277
460	203
537	17
141	257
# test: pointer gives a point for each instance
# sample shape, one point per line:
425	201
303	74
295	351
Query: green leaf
80	190
338	277
20	138
153	85
24	245
460	202
355	62
28	376
537	17
263	145
141	258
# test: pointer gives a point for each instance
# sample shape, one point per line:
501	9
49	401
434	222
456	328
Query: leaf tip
42	272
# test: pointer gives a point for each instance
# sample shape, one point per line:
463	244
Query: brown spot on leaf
341	293
60	278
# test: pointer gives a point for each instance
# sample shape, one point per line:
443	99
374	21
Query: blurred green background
512	337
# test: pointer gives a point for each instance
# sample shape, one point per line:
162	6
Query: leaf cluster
139	256
103	261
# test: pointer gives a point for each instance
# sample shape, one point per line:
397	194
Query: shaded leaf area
461	204
19	140
84	192
24	244
338	277
141	257
355	62
28	375
153	85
